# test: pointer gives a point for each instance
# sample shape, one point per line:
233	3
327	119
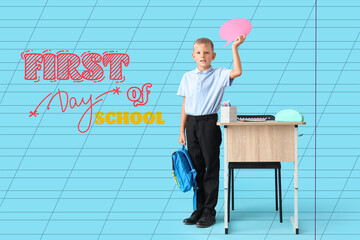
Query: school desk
267	141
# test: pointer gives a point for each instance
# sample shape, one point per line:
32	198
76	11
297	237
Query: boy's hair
205	41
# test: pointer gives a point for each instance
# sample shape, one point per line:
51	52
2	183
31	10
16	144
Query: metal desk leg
225	182
295	220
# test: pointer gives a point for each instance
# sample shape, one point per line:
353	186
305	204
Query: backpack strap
187	156
195	187
195	195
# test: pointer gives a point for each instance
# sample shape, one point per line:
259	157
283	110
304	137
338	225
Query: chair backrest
267	117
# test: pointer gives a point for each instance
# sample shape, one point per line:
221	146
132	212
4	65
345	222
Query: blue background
114	181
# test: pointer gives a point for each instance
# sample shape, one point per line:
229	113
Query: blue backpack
183	172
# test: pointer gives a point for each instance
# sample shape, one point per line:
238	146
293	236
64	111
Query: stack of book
252	120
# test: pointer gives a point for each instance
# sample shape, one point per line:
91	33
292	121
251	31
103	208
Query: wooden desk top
266	123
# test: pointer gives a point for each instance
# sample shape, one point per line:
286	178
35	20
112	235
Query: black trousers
204	139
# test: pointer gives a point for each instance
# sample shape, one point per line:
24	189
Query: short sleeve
182	91
225	77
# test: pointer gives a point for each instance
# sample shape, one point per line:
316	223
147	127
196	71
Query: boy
203	89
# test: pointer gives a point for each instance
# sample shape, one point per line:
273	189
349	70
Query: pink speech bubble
233	28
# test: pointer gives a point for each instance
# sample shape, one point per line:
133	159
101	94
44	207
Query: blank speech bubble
230	30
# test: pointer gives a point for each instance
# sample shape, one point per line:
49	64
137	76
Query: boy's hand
239	40
182	139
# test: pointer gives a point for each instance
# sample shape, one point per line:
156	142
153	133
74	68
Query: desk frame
294	219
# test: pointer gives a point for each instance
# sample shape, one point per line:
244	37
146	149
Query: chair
255	165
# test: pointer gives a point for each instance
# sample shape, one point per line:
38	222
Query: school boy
203	90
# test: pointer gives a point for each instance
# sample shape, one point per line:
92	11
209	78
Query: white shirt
204	90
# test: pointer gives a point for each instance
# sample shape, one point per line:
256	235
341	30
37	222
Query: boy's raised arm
237	63
182	139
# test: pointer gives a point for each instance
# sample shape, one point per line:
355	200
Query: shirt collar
204	72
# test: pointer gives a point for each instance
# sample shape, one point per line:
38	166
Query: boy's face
203	55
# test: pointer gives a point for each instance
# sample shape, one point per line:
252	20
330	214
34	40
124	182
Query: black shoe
207	219
195	216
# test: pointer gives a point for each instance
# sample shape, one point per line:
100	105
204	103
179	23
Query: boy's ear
193	56
213	56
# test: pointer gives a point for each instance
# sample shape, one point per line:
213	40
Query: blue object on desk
289	115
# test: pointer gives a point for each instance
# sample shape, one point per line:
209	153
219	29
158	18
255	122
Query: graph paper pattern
115	181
